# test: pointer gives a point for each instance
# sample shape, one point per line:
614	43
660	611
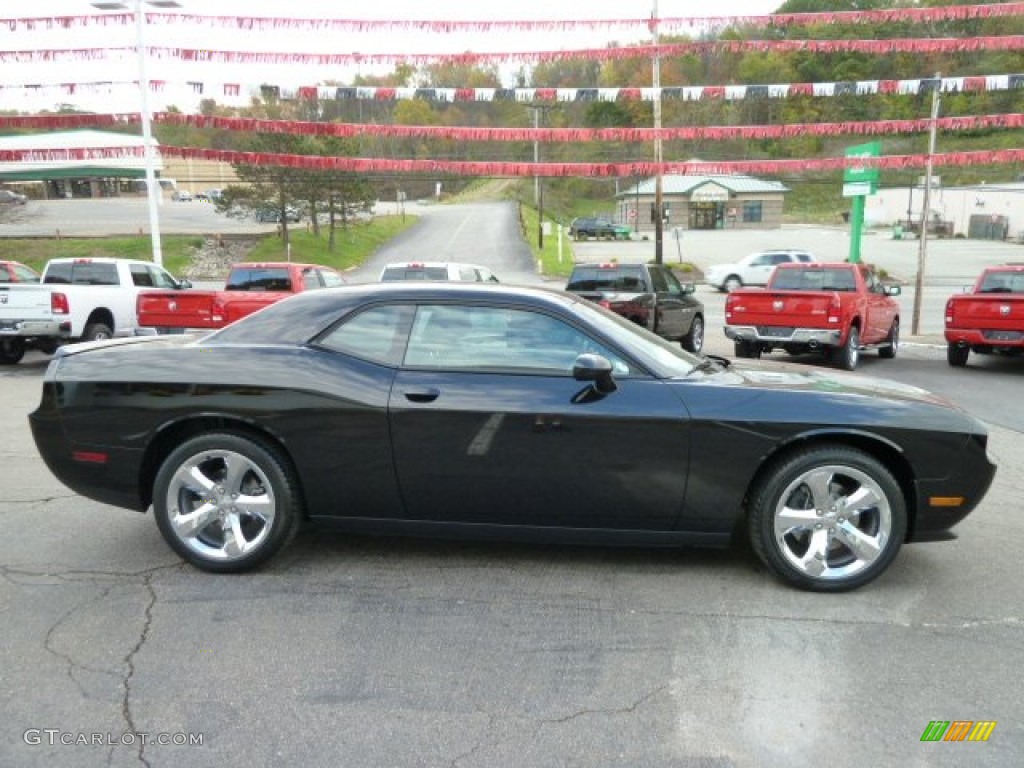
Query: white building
49	175
982	211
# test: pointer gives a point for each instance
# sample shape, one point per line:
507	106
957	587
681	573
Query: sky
176	73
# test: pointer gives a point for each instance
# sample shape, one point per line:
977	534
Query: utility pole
922	243
659	220
538	190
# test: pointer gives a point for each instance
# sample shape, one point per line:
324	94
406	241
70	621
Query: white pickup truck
76	300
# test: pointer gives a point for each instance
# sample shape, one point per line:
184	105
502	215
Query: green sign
859	181
861	174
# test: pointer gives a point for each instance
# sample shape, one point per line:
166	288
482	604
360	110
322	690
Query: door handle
427	395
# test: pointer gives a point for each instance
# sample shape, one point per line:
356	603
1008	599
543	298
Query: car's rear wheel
732	283
847	356
892	342
11	351
694	339
96	332
827	518
746	349
226	503
957	355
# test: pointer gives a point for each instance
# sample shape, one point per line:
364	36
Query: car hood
764	392
794	377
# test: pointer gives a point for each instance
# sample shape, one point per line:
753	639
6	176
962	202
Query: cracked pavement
383	652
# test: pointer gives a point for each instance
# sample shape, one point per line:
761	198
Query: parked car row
838	309
76	300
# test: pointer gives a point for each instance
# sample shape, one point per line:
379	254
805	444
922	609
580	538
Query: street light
659	206
152	190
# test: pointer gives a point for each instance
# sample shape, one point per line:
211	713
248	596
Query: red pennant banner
208	56
263	24
574	135
377	165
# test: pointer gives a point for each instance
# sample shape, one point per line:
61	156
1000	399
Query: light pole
152	190
538	190
659	221
922	243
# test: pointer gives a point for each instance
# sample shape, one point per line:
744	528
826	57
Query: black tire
746	349
957	355
46	346
732	283
235	467
847	356
694	338
11	351
889	351
802	528
96	332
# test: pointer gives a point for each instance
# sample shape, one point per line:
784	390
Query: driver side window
473	338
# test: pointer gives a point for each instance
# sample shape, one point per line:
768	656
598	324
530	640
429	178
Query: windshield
259	279
813	279
1003	282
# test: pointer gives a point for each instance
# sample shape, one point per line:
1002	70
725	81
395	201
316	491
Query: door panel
488	426
515	450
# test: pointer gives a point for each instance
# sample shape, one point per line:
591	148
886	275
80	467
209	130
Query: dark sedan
493	411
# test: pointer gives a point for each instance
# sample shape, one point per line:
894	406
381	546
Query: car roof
431	265
299	317
97	260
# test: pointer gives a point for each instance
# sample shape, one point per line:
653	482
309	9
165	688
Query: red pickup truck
990	319
838	308
249	287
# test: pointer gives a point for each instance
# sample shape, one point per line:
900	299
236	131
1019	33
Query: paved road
379	652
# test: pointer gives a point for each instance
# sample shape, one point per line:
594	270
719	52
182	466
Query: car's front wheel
892	343
225	502
827	518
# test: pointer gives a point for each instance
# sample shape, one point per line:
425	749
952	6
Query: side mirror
184	284
893	290
688	288
597	370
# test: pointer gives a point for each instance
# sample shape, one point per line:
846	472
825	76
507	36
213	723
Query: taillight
217	310
605	303
59	304
949	311
835	308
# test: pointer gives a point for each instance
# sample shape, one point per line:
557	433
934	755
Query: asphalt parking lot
362	651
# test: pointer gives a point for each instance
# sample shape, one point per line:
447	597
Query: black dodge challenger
496	411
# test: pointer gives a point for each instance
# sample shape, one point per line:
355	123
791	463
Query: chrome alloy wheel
832	522
220	505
